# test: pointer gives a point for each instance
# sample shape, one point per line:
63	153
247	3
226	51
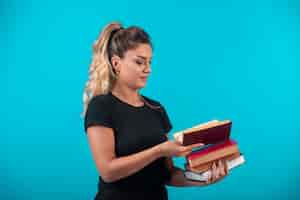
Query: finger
191	147
214	166
177	142
209	180
217	172
183	153
214	171
195	145
226	167
183	149
218	179
220	164
222	171
221	168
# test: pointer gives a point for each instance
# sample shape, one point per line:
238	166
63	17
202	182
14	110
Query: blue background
235	60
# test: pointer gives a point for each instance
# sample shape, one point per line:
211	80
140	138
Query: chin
141	85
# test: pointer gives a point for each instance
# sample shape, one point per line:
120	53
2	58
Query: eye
139	62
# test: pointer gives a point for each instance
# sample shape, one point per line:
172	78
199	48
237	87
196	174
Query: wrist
158	151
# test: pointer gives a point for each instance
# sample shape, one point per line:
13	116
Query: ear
116	62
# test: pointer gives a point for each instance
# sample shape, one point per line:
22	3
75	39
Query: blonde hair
112	40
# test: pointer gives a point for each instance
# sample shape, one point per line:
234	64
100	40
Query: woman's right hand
172	148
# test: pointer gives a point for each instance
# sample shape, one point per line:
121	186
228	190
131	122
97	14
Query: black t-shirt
136	128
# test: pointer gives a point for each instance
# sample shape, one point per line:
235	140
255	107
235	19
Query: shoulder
165	118
152	101
101	99
99	103
98	112
155	102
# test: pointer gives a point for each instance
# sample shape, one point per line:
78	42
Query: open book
210	132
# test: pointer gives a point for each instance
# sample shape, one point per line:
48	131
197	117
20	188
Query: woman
127	131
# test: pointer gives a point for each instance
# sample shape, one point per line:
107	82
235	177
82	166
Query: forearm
128	165
178	179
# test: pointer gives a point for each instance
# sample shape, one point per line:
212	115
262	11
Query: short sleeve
98	113
166	120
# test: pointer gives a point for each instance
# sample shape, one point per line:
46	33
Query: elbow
108	177
107	174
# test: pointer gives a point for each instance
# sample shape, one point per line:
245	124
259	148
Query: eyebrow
143	57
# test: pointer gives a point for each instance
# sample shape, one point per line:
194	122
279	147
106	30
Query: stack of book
215	135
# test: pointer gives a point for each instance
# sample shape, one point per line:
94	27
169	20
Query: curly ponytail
101	75
113	40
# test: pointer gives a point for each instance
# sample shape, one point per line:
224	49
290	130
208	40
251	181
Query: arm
177	177
179	180
110	167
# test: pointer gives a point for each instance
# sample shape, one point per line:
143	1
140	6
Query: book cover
207	133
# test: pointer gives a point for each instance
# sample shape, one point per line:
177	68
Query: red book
208	133
212	153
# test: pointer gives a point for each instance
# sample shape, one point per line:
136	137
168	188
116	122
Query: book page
197	126
206	126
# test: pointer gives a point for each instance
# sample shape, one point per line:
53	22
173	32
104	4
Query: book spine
206	166
213	156
211	148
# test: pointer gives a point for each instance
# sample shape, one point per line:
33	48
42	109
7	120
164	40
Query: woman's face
135	66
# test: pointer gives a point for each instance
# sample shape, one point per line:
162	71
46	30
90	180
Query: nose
147	69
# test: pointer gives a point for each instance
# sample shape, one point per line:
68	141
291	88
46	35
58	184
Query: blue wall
233	60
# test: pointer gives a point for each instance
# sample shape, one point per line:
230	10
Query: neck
127	94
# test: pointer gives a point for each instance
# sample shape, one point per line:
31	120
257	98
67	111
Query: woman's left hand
219	170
